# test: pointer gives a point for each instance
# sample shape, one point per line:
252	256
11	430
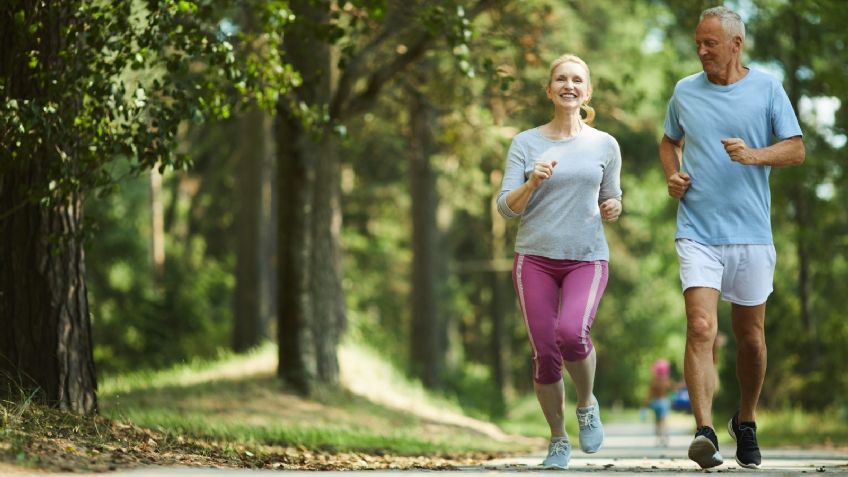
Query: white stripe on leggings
590	302
518	268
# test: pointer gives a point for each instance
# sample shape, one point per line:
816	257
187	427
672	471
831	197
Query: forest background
325	172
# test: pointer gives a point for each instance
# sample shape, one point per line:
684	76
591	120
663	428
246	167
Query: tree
82	83
377	42
428	324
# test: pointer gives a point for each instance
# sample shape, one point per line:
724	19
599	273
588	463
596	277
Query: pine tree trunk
426	349
45	341
247	329
311	313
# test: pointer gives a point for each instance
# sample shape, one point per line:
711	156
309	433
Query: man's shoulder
690	82
762	79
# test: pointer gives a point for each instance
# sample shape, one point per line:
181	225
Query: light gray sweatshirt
562	220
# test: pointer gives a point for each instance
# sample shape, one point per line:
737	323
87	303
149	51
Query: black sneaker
745	435
704	448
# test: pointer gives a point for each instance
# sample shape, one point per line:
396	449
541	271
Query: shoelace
559	447
586	420
748	437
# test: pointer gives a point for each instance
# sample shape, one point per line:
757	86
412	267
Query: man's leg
748	328
700	372
698	366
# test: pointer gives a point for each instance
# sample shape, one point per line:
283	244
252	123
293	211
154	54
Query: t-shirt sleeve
611	181
672	126
784	123
513	177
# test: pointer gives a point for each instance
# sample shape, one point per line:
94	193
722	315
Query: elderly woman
562	179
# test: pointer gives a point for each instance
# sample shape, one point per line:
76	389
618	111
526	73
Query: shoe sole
747	466
704	453
553	467
733	435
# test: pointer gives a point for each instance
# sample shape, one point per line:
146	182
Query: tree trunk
157	227
799	195
500	289
427	330
250	158
311	300
46	339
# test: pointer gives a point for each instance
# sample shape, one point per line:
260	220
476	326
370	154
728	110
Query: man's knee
751	341
701	326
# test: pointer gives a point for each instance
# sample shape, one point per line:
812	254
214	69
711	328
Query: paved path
628	450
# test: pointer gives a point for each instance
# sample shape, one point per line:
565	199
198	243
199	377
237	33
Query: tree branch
346	104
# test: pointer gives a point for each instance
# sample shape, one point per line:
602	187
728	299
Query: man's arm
671	154
788	152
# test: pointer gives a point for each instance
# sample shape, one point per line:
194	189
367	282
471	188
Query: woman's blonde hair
569	58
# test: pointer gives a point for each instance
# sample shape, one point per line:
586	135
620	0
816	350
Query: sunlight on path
365	374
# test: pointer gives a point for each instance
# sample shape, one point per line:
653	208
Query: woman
562	178
657	399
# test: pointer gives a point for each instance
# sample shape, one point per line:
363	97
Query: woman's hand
542	171
610	210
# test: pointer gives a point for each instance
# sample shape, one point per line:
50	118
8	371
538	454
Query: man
726	116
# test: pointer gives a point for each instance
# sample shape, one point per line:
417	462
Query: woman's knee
576	348
548	368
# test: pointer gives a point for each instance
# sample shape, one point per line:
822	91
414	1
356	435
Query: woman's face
569	86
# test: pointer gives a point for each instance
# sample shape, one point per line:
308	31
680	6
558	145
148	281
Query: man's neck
734	72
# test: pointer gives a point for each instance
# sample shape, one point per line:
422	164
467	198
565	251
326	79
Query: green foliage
132	72
138	321
125	77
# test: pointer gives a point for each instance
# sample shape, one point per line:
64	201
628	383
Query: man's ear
737	42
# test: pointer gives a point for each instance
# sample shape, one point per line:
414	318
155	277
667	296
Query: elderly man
727	116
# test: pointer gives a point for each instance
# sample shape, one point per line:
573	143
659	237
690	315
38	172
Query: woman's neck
563	125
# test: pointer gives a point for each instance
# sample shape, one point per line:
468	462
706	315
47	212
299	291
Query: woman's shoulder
527	134
598	135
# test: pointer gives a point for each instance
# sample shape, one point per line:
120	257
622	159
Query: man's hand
610	210
678	184
739	151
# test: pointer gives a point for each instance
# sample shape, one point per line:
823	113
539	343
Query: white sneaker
591	429
559	453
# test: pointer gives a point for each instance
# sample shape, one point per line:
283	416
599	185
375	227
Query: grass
234	412
239	399
798	428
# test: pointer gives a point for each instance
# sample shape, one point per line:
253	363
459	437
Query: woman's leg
582	289
537	288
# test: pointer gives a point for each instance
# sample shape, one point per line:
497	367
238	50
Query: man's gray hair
731	22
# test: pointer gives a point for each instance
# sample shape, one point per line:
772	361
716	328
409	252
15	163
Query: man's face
716	49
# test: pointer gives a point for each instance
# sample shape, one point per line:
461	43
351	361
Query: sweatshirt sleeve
513	177
611	181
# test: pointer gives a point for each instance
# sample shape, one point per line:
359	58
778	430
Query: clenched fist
610	210
678	183
739	151
542	171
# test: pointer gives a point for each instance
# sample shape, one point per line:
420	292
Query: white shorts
743	274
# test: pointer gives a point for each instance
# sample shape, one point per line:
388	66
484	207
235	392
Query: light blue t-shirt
727	202
562	220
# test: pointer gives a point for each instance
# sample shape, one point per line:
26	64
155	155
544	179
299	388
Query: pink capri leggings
559	299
